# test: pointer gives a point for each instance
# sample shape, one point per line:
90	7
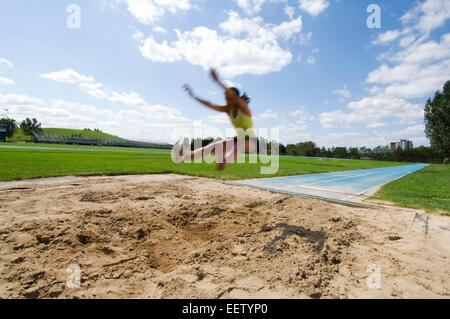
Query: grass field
19	137
428	189
25	164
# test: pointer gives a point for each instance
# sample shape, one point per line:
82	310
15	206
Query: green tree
30	127
10	122
282	149
291	149
353	153
437	120
340	152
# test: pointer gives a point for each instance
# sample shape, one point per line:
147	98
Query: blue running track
339	186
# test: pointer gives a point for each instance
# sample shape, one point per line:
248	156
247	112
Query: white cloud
424	52
388	37
313	7
6	81
304	39
229	83
7	62
341	135
138	35
17	99
298	117
139	119
418	22
370	111
289	11
95	89
414	67
292	125
251	6
421	69
67	76
300	113
246	46
288	28
160	52
221	119
311	60
150	11
155	122
312	57
344	92
376	125
159	29
404	42
268	114
428	15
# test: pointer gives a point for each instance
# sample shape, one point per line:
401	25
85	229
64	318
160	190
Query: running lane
341	186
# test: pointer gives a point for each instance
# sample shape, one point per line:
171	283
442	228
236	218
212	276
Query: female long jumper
240	116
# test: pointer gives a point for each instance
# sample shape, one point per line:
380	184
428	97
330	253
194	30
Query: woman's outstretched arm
204	102
216	79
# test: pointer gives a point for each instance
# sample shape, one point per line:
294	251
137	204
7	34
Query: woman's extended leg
209	149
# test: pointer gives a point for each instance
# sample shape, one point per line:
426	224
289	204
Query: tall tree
437	120
10	122
30	127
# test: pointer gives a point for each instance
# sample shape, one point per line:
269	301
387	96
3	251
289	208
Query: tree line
381	153
28	126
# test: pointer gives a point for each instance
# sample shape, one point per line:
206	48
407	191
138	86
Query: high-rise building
403	144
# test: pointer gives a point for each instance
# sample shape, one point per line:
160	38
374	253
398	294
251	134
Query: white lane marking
370	173
335	179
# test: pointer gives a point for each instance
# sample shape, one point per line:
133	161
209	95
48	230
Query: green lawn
427	189
25	164
19	137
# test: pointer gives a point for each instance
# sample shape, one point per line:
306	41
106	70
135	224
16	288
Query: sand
170	236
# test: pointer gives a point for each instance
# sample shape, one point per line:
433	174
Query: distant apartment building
403	144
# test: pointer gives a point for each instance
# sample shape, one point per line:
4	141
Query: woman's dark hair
244	96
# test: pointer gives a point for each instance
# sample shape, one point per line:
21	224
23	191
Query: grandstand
78	139
5	129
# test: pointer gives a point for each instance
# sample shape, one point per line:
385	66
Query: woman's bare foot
221	166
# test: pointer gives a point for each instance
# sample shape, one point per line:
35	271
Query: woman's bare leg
228	158
211	149
250	147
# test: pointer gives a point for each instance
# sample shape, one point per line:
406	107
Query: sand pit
169	236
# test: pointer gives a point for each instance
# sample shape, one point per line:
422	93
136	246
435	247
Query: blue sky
312	67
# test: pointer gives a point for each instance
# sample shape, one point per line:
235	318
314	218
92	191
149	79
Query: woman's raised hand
188	89
214	75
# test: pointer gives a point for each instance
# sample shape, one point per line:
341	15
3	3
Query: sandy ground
169	236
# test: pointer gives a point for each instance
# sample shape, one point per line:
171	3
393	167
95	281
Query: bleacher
80	140
5	129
